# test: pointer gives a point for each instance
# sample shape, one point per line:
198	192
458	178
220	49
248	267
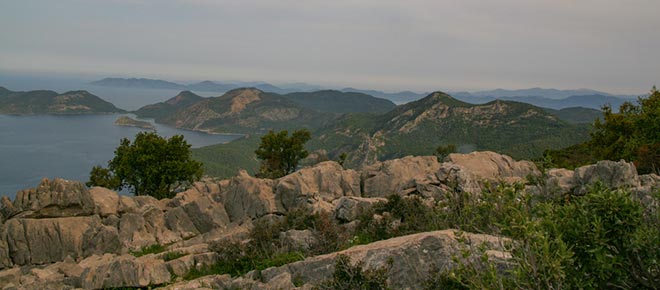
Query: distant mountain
138	83
246	110
399	98
586	101
50	102
417	128
577	115
332	101
323	104
532	92
4	92
163	109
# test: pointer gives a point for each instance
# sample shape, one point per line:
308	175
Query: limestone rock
201	210
7	208
106	202
206	282
412	257
5	260
322	183
458	178
491	166
109	271
612	174
248	197
56	198
295	240
395	176
40	241
348	208
178	221
185	264
10	276
103	239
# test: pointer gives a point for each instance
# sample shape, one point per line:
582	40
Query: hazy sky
393	45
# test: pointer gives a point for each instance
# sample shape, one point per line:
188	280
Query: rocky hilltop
160	110
49	102
62	235
244	111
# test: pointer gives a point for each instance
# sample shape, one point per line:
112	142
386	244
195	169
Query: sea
46	146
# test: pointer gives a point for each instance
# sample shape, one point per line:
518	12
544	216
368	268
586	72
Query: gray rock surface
55	198
61	235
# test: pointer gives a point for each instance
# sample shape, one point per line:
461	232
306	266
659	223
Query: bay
34	147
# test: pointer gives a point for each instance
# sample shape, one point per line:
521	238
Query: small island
129	122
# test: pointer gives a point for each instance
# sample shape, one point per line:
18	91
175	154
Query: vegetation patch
152	249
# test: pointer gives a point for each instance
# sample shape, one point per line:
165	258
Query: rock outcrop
63	235
408	260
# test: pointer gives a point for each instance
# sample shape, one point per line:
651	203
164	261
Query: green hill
246	110
49	102
517	129
577	115
417	128
224	160
169	107
332	101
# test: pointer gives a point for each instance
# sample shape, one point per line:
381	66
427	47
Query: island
45	102
130	122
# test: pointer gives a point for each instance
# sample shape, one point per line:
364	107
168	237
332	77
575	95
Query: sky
608	45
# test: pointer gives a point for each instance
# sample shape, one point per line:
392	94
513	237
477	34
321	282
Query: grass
243	265
169	256
153	249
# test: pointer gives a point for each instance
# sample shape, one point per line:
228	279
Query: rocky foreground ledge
62	235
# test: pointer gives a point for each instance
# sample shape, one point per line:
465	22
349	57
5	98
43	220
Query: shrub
280	153
349	276
605	239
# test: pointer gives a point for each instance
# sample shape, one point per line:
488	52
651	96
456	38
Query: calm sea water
34	147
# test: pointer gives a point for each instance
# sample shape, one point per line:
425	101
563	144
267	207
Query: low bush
352	276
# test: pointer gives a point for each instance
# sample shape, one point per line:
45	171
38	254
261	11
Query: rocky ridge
62	235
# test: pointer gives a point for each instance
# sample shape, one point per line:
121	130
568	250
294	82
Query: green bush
602	240
349	276
397	217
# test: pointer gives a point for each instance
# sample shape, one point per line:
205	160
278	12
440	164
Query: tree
280	153
632	134
151	165
103	177
443	151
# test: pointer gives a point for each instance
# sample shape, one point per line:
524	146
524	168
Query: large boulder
249	198
411	257
110	271
106	201
317	186
198	209
457	178
55	198
612	174
185	264
350	207
494	167
398	176
48	240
